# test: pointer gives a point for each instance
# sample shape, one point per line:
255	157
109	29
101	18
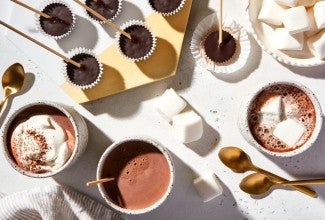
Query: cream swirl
40	144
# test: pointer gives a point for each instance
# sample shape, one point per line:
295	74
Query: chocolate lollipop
166	7
109	9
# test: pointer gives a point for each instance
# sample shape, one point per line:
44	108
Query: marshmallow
170	104
319	13
295	20
316	44
306	3
289	131
208	186
271	111
188	126
284	41
290	3
313	27
271	13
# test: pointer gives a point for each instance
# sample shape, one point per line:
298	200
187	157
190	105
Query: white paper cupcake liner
169	13
42	7
100	21
140	23
236	30
77	51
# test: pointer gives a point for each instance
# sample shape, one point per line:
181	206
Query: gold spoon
12	81
257	183
237	160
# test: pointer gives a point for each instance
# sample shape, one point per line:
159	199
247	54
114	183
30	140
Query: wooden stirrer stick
78	65
99	16
32	9
91	183
220	23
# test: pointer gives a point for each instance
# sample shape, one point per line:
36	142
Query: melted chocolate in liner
224	51
106	8
87	74
141	42
58	116
141	175
165	6
61	20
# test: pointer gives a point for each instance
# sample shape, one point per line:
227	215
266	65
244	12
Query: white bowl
243	120
80	129
263	33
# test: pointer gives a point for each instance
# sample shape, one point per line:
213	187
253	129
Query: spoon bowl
235	159
12	81
256	184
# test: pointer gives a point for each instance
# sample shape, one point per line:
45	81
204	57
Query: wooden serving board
121	74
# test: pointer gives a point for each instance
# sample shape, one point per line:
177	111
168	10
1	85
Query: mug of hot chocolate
43	138
142	172
281	118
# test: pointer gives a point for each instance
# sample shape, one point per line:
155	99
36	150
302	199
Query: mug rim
116	144
13	116
318	116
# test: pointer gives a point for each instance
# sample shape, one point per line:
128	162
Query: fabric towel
52	202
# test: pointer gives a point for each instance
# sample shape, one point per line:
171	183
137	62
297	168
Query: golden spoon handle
302	189
303	182
3	102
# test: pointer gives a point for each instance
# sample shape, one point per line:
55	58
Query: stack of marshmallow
187	126
289	130
296	20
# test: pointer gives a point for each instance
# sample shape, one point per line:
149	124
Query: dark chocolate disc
60	21
106	8
141	43
165	6
224	51
87	74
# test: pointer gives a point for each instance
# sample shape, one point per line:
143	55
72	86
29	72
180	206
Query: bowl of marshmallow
292	31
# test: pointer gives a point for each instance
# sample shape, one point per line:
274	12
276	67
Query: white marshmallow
271	111
170	104
284	41
313	27
290	3
319	13
271	13
208	186
295	20
316	44
188	126
289	131
306	3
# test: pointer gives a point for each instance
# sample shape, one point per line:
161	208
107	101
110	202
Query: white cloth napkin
52	202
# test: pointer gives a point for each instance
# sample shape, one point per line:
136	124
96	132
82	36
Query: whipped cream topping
40	144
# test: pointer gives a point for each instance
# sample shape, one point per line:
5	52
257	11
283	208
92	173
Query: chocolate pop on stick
41	45
99	16
220	23
32	9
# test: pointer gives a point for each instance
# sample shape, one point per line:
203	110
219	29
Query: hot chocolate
281	103
60	22
141	173
41	139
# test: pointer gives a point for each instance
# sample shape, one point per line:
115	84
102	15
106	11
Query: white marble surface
216	99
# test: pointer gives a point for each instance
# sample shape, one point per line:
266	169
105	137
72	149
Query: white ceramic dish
263	33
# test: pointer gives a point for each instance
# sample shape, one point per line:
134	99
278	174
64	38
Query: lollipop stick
99	16
78	65
32	9
91	183
220	23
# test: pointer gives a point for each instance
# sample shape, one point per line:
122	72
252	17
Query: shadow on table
185	203
84	169
254	59
307	165
28	83
84	35
316	72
